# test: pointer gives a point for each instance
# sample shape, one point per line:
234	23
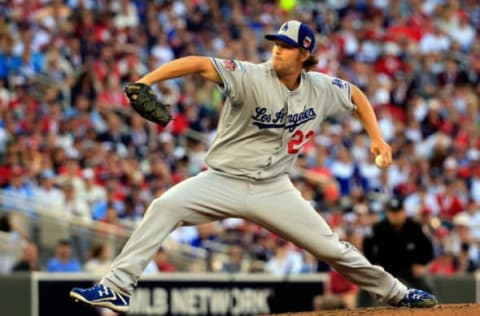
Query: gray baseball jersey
264	124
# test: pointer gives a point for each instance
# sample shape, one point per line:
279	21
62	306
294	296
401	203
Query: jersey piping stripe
225	84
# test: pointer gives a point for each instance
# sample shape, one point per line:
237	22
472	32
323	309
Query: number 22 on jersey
298	138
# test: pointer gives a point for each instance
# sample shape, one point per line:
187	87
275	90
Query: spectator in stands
449	202
47	195
452	74
434	40
263	246
94	193
12	238
70	172
135	204
29	261
361	226
428	222
99	260
400	246
475	185
443	264
342	288
472	212
420	200
8	225
343	170
285	260
460	240
236	261
463	262
75	206
63	260
111	217
207	236
160	263
424	79
310	263
18	193
99	209
115	136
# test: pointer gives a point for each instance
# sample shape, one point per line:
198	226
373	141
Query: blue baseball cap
296	34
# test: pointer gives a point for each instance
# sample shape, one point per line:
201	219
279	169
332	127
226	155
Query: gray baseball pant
276	205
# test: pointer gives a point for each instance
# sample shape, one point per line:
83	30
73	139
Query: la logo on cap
307	41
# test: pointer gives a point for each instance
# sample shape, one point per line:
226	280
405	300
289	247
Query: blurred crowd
69	140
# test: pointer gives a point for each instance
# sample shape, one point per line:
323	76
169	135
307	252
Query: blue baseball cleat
102	296
417	298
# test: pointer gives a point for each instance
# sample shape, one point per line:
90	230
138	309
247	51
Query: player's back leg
280	208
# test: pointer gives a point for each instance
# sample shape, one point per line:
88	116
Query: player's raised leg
280	207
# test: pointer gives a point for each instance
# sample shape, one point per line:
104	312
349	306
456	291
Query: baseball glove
143	100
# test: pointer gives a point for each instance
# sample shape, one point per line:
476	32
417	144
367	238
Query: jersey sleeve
339	93
235	77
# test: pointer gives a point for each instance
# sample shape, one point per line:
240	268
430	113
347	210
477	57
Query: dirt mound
440	310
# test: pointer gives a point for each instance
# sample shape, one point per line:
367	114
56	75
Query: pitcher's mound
440	310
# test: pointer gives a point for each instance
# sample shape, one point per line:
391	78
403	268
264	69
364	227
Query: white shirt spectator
92	193
8	254
87	4
183	234
475	189
151	268
285	261
387	127
342	170
162	51
49	198
292	263
434	43
462	225
429	6
371	173
360	153
463	33
473	216
397	175
127	15
415	202
97	266
75	206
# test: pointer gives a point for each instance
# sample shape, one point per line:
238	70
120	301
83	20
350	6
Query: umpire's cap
296	34
395	204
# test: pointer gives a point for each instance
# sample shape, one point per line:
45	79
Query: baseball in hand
380	162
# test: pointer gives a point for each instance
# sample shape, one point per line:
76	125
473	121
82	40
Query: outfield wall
46	294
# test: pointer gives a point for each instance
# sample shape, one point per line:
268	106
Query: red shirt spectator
443	265
337	284
390	63
449	202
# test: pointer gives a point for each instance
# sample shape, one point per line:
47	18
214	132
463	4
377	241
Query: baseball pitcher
272	110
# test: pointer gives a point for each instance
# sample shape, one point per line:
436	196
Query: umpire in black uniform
399	245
